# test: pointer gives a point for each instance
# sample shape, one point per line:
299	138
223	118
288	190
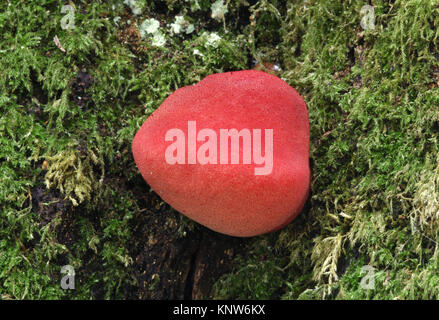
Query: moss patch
70	192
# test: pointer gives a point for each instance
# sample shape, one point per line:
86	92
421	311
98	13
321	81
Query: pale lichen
219	9
181	25
73	174
152	27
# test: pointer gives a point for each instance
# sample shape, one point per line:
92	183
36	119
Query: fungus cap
185	151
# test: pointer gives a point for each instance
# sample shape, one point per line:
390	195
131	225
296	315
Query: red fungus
207	151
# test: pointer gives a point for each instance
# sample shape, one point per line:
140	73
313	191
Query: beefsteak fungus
230	152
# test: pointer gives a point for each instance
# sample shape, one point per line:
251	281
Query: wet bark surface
171	263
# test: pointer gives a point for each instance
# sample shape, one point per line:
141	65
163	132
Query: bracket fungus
230	152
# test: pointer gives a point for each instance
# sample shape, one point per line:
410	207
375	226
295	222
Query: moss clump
257	276
73	175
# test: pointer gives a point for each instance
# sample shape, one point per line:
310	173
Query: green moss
372	97
258	276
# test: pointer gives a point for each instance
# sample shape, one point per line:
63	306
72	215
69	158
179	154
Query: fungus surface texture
230	152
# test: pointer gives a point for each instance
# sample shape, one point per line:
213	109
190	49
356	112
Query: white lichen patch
158	39
194	5
136	10
151	27
116	20
190	28
219	9
181	25
211	39
198	53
